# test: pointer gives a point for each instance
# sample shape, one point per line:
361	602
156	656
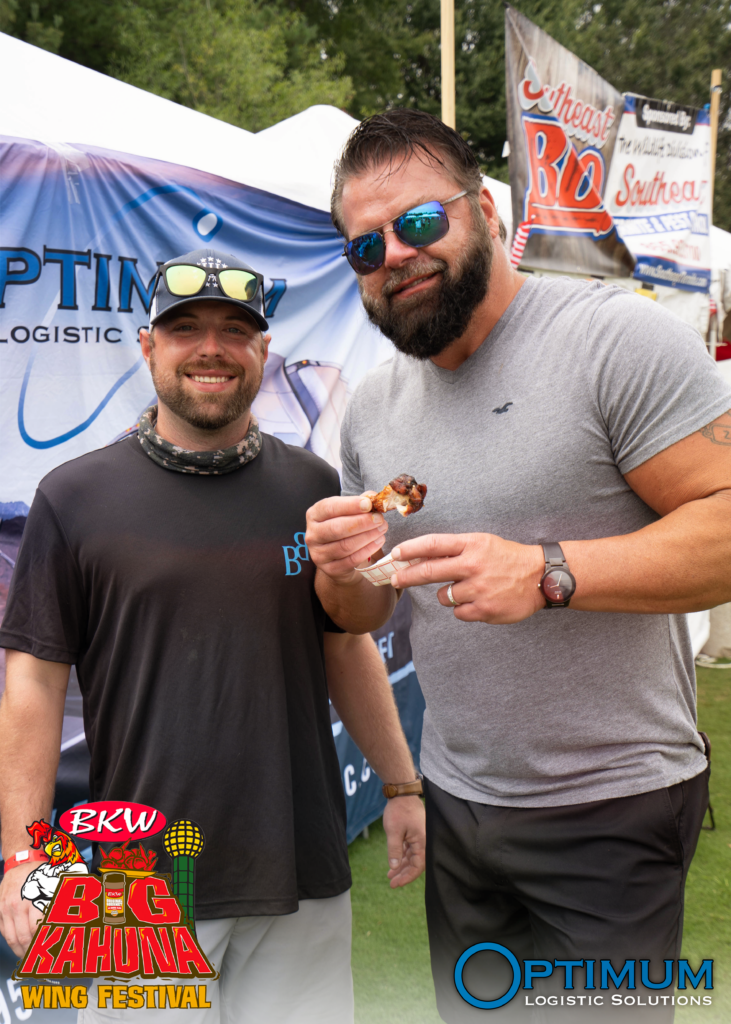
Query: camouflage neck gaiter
216	463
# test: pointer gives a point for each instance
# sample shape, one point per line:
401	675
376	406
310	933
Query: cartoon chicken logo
65	859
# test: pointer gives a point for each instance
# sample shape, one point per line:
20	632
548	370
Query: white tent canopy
63	102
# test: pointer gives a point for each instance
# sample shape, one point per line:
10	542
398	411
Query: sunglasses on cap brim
187	279
420	226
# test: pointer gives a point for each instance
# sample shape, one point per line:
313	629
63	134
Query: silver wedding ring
450	595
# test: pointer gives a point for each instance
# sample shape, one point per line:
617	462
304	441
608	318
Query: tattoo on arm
717	433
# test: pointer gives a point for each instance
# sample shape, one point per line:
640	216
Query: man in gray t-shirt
573	706
576	446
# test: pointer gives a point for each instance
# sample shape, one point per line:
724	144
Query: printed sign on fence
659	191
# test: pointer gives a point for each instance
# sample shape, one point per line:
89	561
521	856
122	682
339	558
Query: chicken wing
403	494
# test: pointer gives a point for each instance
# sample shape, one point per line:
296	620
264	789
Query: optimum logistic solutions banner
659	191
562	128
84	231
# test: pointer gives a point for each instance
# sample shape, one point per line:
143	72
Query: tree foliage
253	62
664	49
247	63
8	11
89	29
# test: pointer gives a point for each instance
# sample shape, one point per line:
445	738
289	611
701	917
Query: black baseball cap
213	286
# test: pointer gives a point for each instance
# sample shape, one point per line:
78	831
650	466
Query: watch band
555	559
553	555
392	789
24	857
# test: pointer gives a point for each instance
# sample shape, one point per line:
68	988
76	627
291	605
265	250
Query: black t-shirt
187	604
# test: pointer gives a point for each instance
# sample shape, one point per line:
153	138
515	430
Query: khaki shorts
293	969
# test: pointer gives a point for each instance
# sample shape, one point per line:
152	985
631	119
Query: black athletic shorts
595	881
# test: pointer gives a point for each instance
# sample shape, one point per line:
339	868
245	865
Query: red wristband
24	857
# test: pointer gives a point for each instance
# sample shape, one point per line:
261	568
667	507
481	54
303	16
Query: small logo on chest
502	408
294	555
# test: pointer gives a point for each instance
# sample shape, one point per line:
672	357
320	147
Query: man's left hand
404	821
493	580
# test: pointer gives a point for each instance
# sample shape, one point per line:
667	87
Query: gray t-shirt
575	385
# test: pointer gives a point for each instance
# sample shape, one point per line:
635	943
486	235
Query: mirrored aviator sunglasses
187	279
420	226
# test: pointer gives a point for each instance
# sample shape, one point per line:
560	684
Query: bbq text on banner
659	191
562	126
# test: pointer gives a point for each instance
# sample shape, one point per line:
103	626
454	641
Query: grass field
707	932
390	949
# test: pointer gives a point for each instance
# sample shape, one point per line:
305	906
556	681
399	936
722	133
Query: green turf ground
390	950
707	932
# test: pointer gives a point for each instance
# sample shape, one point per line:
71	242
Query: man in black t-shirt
171	569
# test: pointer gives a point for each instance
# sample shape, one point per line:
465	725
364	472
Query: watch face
558	585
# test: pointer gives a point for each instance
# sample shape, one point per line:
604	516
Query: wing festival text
129	925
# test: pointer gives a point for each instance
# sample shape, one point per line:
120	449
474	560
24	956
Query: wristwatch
557	584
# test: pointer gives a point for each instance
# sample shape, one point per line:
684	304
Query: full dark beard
423	327
206	411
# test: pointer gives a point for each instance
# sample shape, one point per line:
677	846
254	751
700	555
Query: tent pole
715	102
448	89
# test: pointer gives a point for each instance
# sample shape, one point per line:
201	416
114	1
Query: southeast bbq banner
562	127
659	191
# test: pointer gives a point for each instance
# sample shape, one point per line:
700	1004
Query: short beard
211	411
421	326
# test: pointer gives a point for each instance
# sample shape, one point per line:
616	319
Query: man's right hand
343	533
18	917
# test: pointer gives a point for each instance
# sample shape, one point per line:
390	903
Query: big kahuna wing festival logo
130	924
